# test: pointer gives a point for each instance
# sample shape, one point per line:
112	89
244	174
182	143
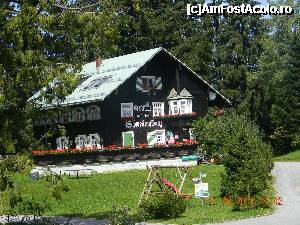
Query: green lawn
290	157
94	196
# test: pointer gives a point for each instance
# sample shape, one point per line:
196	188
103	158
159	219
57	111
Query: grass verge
289	157
94	196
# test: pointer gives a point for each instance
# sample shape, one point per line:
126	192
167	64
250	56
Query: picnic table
76	171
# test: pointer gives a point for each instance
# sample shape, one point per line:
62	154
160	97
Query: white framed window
78	115
182	106
94	140
156	137
81	141
93	112
189	105
62	142
173	107
158	108
126	109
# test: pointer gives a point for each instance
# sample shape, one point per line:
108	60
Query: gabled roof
112	73
185	94
173	94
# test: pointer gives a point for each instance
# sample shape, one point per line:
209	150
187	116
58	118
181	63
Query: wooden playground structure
155	177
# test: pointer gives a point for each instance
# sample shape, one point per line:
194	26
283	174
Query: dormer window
185	106
173	107
180	104
96	83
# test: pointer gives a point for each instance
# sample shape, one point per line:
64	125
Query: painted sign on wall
142	111
143	124
142	108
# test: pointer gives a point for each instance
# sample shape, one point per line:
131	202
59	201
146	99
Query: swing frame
156	177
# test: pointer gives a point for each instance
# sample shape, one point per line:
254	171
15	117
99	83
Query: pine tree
285	111
263	102
238	49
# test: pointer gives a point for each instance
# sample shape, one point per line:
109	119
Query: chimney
98	63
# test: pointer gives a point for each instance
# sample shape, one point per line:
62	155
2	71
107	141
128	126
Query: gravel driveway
287	185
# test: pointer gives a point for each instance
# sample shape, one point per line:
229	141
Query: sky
263	2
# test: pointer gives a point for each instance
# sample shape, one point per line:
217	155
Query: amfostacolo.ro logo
243	9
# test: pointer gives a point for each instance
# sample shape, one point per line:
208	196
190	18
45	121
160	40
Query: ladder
152	177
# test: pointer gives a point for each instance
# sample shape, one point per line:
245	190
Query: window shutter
139	84
151	137
158	83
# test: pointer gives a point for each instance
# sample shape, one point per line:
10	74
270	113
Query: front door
156	137
128	138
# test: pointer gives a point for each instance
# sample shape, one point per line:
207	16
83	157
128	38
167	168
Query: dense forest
253	60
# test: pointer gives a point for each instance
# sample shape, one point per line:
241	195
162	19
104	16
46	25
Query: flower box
172	116
115	153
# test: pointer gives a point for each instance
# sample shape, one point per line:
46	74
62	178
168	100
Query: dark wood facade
110	127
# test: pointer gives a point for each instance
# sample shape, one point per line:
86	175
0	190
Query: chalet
145	97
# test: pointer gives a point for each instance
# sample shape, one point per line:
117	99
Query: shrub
32	207
165	204
247	166
212	132
119	215
18	163
247	159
